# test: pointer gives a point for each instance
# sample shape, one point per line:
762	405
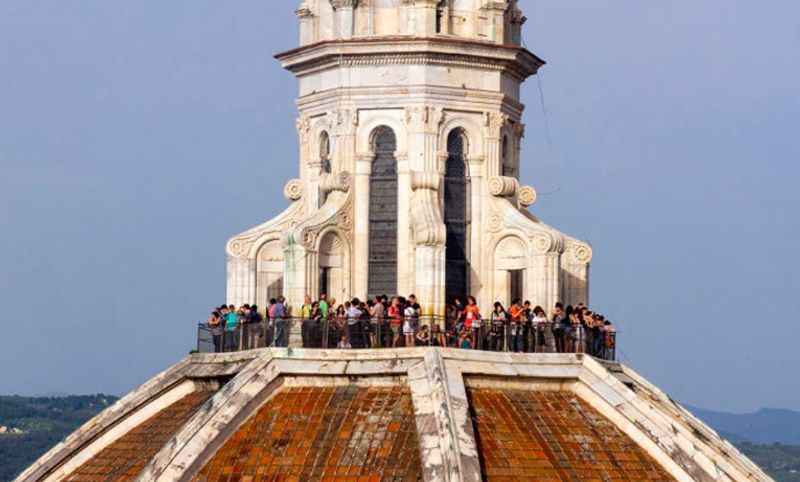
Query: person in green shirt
323	306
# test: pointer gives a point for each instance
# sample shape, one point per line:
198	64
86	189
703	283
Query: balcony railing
361	334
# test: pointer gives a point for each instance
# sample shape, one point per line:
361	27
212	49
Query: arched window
440	15
325	151
382	276
456	216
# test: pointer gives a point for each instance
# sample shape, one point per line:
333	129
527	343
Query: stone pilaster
345	21
363	169
544	280
427	223
494	124
306	20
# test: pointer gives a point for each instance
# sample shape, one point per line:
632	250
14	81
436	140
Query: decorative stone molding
495	222
583	253
241	245
543	242
345	121
341	218
424	180
527	196
303	12
426	218
337	4
503	186
519	130
303	125
495	122
293	190
424	118
335	182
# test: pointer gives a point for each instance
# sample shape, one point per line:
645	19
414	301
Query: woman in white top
409	323
540	324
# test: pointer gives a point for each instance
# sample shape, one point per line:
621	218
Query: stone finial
293	190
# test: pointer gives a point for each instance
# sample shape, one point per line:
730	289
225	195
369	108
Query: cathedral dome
398	415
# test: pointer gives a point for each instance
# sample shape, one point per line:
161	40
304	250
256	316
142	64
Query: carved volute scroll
503	186
527	196
293	190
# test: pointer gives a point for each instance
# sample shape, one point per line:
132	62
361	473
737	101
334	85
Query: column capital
337	4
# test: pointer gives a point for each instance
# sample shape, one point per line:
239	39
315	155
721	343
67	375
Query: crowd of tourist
397	322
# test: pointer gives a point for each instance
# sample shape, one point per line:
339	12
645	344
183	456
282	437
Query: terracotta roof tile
127	456
351	433
529	435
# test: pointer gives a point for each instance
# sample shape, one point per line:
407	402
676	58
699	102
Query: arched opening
325	151
382	275
456	217
269	273
510	265
333	267
440	15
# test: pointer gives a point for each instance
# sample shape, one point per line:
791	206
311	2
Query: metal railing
424	331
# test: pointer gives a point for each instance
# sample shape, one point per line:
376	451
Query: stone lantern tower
409	130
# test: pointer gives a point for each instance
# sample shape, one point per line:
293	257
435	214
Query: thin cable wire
545	114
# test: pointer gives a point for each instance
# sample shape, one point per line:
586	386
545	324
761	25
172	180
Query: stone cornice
451	51
400	96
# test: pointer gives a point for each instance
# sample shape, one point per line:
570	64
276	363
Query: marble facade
410	127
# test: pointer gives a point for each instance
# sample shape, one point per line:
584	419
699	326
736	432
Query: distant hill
766	426
29	426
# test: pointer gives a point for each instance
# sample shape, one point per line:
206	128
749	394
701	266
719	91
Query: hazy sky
136	137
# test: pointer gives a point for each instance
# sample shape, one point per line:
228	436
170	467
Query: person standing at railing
214	324
231	325
609	340
472	322
353	320
557	320
377	314
498	326
279	315
395	313
597	348
540	324
515	314
306	326
323	305
410	320
527	330
454	315
577	332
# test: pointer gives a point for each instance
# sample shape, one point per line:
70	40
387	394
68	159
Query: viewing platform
296	332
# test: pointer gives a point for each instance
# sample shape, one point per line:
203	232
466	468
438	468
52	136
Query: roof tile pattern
548	436
125	458
347	433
